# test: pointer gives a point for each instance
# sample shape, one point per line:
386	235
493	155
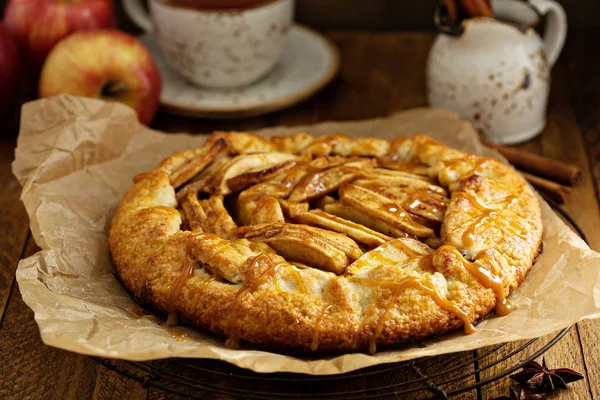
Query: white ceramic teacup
217	48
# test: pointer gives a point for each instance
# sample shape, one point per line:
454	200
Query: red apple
10	74
39	24
106	64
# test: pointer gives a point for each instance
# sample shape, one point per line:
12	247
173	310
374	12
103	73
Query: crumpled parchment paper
76	158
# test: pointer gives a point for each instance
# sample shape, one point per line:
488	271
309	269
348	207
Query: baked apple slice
393	178
194	161
325	250
244	164
322	182
382	208
427	205
245	143
208	215
245	180
360	217
332	222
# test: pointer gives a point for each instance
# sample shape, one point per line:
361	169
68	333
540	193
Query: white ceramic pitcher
497	74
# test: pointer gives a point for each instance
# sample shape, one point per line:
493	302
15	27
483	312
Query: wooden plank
566	353
230	379
157	394
14	224
585	98
110	385
31	370
394	378
392	79
446	372
592	141
387	83
584	82
561	140
589	337
175	124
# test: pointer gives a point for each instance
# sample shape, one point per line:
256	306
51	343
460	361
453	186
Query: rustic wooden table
381	73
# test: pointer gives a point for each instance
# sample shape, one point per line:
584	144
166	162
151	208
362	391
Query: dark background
370	15
408	14
391	14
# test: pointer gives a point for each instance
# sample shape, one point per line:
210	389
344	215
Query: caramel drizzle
479	164
299	284
139	312
423	284
488	213
469	233
405	249
314	345
415	200
453	163
187	271
297	279
395	209
180	336
377	256
404	165
392	155
426	263
357	335
486	278
468	236
270	271
424	144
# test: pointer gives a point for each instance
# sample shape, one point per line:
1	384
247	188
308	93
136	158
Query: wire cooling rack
429	378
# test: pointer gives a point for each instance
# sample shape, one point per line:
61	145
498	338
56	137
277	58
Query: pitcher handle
556	27
138	14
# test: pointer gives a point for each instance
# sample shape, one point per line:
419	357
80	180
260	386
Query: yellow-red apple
106	64
39	24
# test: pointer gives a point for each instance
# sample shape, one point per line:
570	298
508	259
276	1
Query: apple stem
112	89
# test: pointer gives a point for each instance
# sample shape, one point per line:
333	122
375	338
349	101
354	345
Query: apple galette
326	244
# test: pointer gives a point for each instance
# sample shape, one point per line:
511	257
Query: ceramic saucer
309	62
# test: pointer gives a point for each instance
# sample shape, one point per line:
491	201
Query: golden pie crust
327	244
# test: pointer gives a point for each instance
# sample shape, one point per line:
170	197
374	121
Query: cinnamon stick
542	166
476	8
553	190
483	8
470	7
452	10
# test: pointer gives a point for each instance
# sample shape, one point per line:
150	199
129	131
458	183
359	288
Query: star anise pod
545	379
522	394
